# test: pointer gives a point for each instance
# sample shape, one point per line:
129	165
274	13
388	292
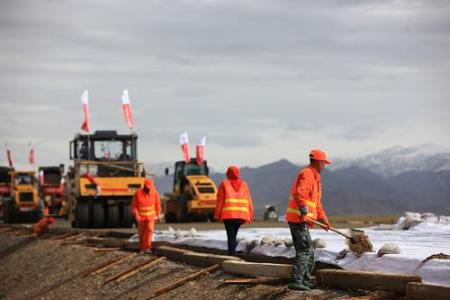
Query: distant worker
145	209
41	227
304	206
234	205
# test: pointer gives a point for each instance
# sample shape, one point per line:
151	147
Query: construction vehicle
103	179
51	189
24	204
193	197
5	186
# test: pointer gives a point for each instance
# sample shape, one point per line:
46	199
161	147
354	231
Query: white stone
319	243
193	232
389	248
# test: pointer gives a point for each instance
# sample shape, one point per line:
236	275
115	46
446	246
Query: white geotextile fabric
416	244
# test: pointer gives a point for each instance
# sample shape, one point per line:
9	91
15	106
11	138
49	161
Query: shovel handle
330	228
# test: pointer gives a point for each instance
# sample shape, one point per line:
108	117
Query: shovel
358	242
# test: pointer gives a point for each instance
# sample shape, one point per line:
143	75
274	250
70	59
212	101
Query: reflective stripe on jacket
146	206
306	191
233	204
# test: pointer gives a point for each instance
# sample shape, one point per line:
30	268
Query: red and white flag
126	106
184	142
85	106
9	156
31	158
41	177
200	151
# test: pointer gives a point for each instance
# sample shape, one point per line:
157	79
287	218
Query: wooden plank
73	237
365	280
172	253
421	291
105	249
115	261
6	230
257	280
250	269
107	242
182	281
124	273
79	243
62	236
206	260
141	268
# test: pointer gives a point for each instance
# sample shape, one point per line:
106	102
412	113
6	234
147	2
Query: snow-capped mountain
398	160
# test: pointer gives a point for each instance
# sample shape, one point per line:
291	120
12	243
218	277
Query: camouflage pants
304	252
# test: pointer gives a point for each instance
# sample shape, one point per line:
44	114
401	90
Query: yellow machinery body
24	204
100	185
193	197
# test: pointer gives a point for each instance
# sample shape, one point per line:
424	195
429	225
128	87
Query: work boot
298	286
309	284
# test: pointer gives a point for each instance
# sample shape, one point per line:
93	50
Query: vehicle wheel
98	215
6	217
112	216
181	210
127	218
39	212
170	218
11	212
82	215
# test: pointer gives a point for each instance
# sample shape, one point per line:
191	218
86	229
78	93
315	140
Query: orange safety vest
306	191
232	204
146	206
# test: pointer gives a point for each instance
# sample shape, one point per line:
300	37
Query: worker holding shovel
145	209
305	206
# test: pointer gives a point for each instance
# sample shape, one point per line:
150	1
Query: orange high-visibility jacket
233	204
146	206
306	191
41	226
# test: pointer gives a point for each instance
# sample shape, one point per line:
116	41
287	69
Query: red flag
31	155
200	151
184	142
126	106
85	106
8	155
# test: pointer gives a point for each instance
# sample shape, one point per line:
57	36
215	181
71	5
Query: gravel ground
37	268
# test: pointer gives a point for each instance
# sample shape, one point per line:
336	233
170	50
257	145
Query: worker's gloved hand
326	223
303	210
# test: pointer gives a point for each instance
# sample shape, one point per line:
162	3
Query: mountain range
388	182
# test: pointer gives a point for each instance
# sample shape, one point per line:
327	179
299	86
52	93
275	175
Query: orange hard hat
148	183
317	154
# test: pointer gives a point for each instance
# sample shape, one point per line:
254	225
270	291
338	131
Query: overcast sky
263	80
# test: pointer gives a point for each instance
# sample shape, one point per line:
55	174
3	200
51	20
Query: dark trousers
304	252
232	227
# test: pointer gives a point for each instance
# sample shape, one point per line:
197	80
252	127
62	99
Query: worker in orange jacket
234	205
145	209
41	227
304	206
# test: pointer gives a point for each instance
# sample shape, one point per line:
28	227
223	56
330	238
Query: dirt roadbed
56	267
